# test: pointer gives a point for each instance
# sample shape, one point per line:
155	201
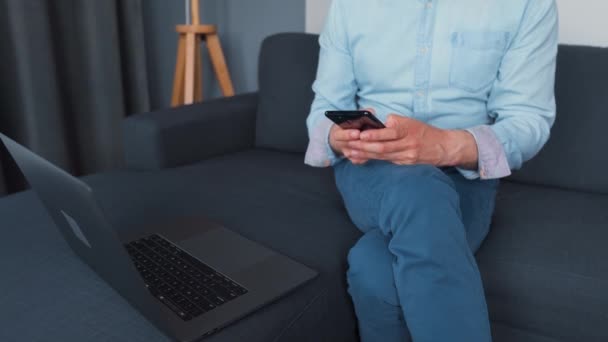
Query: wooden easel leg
190	64
198	71
219	64
188	79
178	80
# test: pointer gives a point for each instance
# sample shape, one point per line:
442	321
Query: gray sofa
240	161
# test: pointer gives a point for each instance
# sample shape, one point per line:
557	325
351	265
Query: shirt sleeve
335	87
492	161
522	101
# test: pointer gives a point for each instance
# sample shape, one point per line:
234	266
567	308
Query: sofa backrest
288	67
574	158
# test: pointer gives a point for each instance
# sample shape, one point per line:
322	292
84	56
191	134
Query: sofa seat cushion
545	264
270	197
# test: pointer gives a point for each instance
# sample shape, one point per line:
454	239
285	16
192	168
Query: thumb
392	121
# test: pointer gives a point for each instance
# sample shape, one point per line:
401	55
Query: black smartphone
362	120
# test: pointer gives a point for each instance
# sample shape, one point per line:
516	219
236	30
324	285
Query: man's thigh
477	200
363	188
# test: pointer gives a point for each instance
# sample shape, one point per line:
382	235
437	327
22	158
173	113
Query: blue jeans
413	276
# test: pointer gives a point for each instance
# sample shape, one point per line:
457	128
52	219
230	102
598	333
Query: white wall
583	22
316	11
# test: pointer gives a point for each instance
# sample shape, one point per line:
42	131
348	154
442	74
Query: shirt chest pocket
476	57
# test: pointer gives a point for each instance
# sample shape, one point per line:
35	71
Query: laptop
190	278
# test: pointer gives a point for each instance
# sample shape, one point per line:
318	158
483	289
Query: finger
359	161
346	152
395	157
394	120
377	147
400	158
384	134
350	155
391	121
346	134
356	154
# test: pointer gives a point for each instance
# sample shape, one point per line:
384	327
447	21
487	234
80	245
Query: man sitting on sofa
465	89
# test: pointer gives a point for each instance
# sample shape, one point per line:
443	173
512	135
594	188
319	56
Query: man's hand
407	141
339	139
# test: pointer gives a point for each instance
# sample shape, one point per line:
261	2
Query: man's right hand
339	139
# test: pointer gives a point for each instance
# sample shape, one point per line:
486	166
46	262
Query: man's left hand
406	141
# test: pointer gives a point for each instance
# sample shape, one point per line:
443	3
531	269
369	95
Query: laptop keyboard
183	283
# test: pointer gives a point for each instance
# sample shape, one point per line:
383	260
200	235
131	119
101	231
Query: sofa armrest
184	135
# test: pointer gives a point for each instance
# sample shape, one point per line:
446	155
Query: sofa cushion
270	197
575	156
545	264
288	65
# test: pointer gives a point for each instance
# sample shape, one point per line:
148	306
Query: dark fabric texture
169	138
288	65
506	333
273	194
575	156
71	70
545	264
3	189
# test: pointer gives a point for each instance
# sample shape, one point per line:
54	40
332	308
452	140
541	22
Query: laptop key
217	301
180	312
179	299
205	304
171	305
219	290
164	288
195	311
187	306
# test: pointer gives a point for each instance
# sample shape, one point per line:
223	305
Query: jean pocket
476	58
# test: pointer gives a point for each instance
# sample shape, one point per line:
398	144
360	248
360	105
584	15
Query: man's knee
424	205
370	273
423	181
418	189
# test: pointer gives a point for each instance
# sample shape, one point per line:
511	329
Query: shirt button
424	50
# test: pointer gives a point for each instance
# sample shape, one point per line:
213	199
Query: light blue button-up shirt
487	66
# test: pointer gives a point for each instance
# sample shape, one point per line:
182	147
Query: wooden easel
188	80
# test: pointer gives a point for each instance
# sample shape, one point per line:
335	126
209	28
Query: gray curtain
2	185
70	70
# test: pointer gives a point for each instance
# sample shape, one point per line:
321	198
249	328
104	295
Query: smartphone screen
362	120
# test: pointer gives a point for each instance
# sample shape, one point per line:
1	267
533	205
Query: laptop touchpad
224	250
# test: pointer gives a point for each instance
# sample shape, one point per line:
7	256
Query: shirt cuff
319	152
492	159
